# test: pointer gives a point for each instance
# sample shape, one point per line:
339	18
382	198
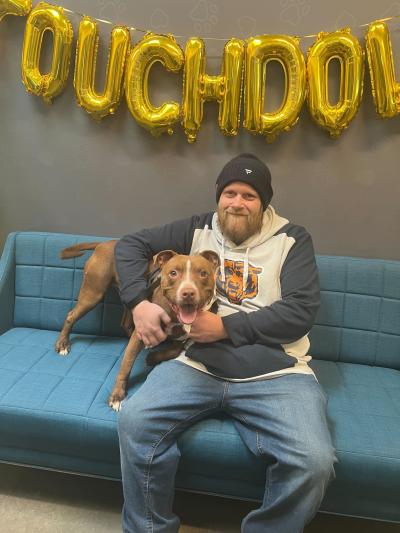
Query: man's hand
148	319
208	327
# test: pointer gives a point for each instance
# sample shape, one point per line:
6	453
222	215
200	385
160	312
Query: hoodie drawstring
222	259
246	269
204	237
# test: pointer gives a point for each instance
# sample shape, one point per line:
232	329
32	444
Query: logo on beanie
248	171
232	288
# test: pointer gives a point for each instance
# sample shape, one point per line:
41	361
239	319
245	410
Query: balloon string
311	36
360	26
139	29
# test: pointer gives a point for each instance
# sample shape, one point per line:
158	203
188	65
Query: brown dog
185	285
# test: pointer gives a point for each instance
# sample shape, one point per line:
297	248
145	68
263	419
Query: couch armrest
7	283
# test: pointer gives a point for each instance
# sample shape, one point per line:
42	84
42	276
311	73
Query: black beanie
249	169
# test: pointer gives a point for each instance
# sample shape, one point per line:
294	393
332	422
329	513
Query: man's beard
238	227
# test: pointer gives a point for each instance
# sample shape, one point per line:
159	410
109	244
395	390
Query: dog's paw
63	347
116	405
115	400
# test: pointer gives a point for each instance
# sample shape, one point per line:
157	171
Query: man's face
240	211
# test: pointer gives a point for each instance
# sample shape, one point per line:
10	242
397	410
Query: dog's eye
203	273
173	273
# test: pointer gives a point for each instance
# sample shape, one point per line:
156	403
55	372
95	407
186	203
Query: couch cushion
364	416
50	403
47	287
359	317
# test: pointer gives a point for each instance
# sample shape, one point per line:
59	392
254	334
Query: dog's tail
76	250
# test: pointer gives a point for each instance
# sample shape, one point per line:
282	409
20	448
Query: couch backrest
46	287
358	321
359	317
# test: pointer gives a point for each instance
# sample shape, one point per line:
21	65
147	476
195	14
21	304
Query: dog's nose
188	293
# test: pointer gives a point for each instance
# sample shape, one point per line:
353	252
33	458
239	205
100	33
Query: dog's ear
211	256
162	257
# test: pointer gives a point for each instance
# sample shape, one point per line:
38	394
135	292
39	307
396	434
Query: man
250	360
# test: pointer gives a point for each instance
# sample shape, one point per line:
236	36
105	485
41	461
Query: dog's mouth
186	313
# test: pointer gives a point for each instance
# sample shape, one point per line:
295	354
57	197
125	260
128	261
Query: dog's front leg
121	382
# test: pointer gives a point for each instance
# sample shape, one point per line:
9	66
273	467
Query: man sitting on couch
249	361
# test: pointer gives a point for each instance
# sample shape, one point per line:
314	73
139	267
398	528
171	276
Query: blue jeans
282	420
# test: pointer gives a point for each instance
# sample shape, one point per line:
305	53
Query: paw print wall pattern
159	20
346	19
247	26
207	17
204	16
293	11
112	9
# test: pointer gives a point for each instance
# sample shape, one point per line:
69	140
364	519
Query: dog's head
187	281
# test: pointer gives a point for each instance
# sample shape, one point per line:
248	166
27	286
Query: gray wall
61	171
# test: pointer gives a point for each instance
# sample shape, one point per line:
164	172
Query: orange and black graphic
232	288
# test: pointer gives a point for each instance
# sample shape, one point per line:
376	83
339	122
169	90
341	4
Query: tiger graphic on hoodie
233	287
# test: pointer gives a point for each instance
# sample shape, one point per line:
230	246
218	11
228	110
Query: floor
38	501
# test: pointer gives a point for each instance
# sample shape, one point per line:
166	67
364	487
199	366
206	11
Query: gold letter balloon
385	89
345	47
99	105
261	50
45	17
244	66
14	7
199	87
152	48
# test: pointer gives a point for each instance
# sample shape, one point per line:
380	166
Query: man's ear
211	256
162	257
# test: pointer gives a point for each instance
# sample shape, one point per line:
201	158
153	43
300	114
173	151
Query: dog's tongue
187	314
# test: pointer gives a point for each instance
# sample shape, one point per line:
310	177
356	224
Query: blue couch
54	412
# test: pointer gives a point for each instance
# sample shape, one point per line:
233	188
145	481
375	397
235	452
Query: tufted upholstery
359	317
46	287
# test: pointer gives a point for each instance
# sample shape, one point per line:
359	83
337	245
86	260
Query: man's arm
290	318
